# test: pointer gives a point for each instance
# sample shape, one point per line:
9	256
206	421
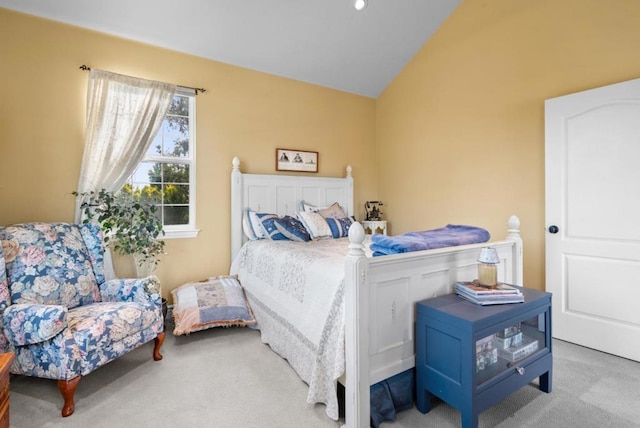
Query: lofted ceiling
323	42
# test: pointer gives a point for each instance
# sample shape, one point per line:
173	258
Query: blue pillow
268	222
292	228
339	226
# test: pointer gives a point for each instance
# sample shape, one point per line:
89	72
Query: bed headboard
281	194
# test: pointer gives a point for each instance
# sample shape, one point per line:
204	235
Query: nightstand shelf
374	227
473	356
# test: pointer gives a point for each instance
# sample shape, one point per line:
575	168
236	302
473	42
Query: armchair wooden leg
159	340
67	389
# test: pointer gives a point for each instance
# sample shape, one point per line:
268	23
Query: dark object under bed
388	397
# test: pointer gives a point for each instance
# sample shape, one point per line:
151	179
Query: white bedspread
296	292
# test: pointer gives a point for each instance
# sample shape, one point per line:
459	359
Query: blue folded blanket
448	236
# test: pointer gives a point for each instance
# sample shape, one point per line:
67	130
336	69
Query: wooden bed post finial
236	163
349	170
514	224
513	233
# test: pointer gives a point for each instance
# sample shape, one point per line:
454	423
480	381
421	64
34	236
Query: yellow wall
244	113
460	131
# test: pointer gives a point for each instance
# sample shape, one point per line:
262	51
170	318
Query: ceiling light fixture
360	4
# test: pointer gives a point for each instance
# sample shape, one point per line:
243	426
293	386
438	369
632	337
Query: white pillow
332	211
306	207
316	224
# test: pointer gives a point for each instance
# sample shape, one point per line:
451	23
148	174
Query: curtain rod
197	90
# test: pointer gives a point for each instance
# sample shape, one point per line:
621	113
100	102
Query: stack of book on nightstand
482	295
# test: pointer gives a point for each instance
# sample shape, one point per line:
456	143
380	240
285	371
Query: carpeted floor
227	378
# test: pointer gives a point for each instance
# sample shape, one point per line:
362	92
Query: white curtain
123	116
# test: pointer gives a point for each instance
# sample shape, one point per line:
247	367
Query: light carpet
226	377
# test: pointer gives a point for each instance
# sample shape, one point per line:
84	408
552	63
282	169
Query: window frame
188	230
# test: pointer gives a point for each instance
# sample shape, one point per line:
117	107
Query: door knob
553	229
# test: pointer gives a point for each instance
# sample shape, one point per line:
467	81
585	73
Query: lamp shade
488	255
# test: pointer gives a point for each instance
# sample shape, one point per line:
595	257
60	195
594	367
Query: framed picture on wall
296	160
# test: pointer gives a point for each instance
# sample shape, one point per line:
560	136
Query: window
166	175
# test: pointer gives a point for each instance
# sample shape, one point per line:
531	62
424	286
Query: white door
592	155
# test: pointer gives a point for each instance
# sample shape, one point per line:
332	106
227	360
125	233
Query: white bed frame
380	292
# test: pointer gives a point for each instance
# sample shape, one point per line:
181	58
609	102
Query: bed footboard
380	297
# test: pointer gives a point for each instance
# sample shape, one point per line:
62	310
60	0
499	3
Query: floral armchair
59	315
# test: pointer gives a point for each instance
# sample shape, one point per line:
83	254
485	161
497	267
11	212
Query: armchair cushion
26	324
102	331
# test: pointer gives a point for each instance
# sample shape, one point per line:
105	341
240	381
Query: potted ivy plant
129	224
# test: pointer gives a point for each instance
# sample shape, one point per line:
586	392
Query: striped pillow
268	222
339	226
292	229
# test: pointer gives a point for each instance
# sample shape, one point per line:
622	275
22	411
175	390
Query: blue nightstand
473	356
